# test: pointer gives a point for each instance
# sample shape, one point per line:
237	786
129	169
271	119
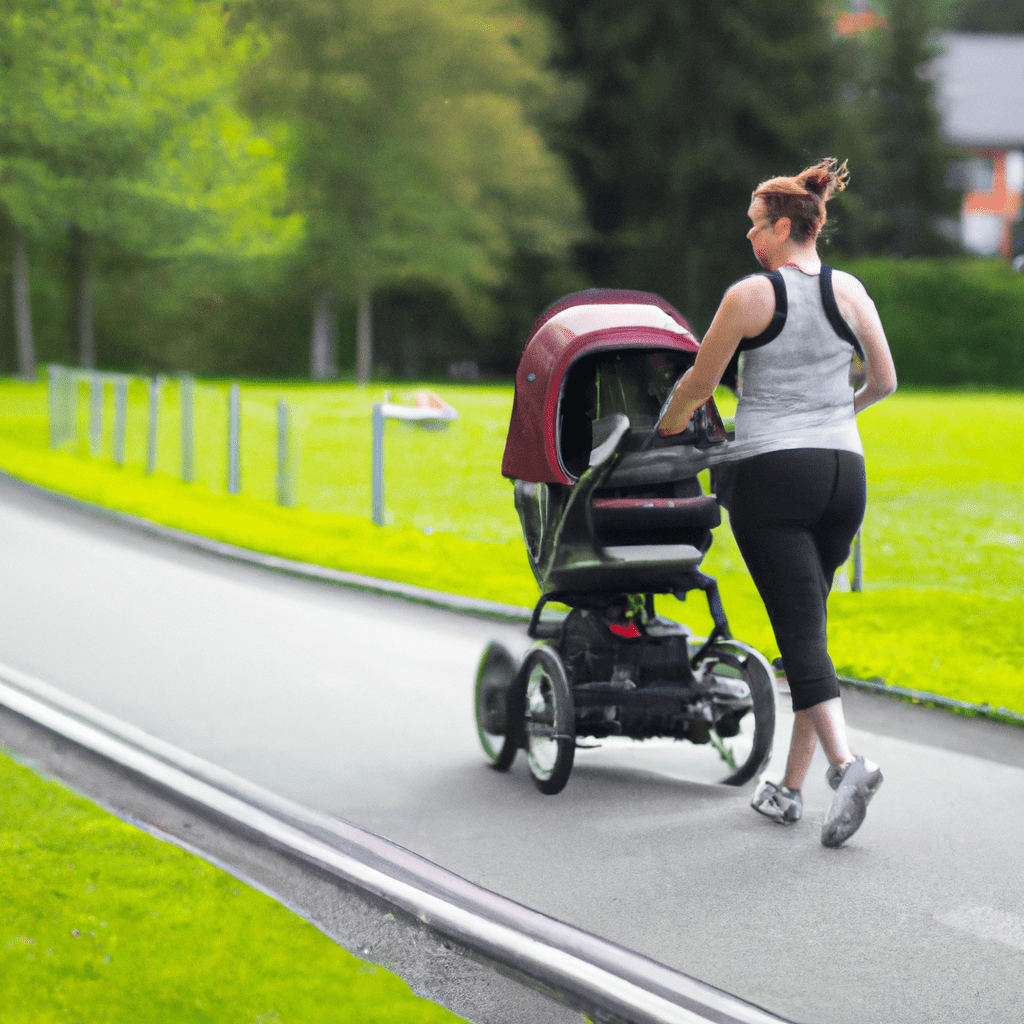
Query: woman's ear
782	228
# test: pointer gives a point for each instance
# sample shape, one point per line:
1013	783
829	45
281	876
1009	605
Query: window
973	175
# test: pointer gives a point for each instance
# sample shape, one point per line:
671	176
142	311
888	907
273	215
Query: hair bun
825	178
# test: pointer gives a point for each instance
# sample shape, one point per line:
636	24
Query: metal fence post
185	392
69	406
120	419
858	562
96	388
234	438
54	405
378	464
285	481
154	412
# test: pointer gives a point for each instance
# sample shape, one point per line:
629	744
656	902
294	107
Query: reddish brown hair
802	198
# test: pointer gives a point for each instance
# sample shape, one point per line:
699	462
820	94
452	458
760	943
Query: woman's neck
804	258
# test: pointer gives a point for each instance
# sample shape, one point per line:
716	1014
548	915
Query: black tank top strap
835	318
774	329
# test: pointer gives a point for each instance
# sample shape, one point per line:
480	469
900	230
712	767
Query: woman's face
762	235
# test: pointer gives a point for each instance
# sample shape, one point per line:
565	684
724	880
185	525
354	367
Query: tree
1006	16
413	158
685	107
899	155
119	129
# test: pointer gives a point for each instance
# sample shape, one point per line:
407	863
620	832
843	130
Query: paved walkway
362	707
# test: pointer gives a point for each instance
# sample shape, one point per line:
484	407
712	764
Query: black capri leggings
794	515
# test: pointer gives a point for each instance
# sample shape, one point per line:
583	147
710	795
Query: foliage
949	322
683	108
122	151
411	149
117	118
990	16
101	922
892	133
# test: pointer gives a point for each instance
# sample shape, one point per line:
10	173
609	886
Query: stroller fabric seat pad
657	513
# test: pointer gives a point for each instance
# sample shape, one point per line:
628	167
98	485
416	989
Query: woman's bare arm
860	313
745	311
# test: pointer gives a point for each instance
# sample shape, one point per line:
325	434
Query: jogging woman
799	491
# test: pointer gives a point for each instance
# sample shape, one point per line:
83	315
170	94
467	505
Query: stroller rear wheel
549	720
734	661
496	726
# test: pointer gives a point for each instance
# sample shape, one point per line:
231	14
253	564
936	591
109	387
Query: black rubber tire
549	718
740	661
494	687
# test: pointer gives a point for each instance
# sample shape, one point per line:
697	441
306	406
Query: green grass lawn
103	924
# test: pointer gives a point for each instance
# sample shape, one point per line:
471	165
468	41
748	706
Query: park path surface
361	706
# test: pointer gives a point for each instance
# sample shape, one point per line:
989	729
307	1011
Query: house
979	89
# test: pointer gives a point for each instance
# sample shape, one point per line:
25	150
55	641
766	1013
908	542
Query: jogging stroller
612	515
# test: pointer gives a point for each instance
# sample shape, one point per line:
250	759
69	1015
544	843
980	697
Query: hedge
949	322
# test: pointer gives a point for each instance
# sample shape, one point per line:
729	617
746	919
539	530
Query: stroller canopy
589	355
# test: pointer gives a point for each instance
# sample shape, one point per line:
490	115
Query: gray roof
979	82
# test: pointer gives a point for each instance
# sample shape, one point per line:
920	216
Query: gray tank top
794	386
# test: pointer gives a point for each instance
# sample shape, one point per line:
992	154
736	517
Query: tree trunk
323	352
82	284
364	335
22	310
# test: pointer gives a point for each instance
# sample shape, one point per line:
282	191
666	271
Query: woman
798	494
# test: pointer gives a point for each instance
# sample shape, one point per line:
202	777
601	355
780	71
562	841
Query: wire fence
327	453
323	454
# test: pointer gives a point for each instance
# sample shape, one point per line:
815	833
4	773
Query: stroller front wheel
549	719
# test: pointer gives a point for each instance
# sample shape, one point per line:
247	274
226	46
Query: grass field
103	924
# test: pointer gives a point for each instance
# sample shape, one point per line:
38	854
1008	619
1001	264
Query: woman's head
802	197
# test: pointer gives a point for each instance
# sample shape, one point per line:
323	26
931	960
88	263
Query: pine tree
893	131
686	107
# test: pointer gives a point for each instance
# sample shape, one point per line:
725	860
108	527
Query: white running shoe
855	785
779	803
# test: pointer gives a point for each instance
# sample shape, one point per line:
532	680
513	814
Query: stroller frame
607	528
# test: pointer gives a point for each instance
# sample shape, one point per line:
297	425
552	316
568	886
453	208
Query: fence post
69	406
285	481
54	395
858	562
234	438
154	412
378	464
96	389
185	392
120	419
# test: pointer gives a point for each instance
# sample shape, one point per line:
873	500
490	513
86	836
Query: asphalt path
361	706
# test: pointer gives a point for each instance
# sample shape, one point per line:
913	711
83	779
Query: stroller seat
590	386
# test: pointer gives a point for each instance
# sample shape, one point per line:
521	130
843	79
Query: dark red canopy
578	325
